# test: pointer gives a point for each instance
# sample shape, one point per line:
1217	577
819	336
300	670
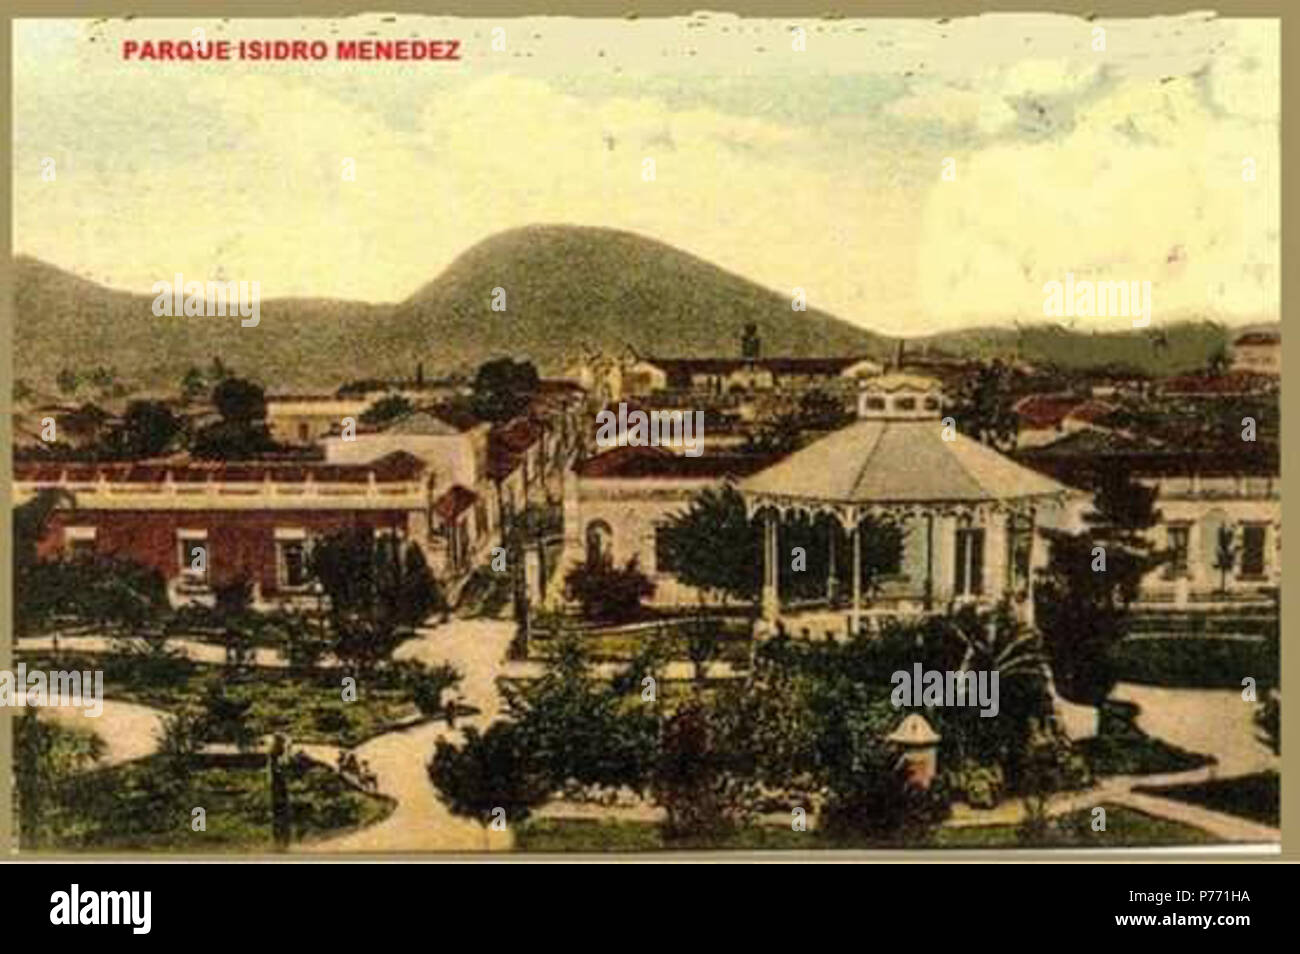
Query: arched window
600	541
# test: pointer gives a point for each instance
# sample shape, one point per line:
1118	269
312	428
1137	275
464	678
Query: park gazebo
966	513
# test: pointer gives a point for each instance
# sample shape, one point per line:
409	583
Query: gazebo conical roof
897	465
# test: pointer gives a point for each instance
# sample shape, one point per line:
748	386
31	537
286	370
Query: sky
819	168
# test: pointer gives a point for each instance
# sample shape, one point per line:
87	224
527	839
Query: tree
564	729
696	779
983	407
502	389
713	545
386	409
193	385
605	592
242	432
67	381
1219	362
377	592
148	429
1084	593
239	401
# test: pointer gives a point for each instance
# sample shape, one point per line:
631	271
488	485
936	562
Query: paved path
129	731
1215	722
1212	722
191	648
421	821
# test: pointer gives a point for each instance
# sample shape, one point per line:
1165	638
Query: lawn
309	707
1124	828
1197	662
138	806
1257	797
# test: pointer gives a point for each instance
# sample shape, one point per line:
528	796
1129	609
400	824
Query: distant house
1045	418
1201	494
1258	352
306	418
619	502
1234	383
723	376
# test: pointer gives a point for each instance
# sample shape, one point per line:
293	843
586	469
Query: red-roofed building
1045	418
250	521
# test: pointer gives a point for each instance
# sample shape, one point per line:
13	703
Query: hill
565	287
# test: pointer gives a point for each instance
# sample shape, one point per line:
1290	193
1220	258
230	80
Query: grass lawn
1257	797
1121	748
1196	662
309	707
1124	828
136	807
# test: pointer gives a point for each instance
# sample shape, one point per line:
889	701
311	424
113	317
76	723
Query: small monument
920	745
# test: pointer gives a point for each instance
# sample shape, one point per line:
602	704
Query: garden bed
1196	662
139	806
309	707
1257	797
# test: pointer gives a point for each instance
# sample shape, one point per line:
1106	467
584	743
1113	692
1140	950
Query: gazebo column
771	605
1033	570
997	566
928	602
856	615
831	526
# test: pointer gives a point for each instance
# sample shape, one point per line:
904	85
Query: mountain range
566	288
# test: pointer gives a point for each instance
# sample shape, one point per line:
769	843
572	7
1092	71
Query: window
291	551
195	556
969	578
905	404
875	404
599	541
1253	540
1177	537
79	542
664	562
932	404
304	431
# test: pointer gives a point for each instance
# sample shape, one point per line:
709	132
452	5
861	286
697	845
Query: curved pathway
130	731
421	821
1214	722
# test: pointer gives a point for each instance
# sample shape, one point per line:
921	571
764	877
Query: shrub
495	769
980	786
606	593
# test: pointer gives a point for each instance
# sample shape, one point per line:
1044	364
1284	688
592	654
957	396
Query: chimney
898	357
